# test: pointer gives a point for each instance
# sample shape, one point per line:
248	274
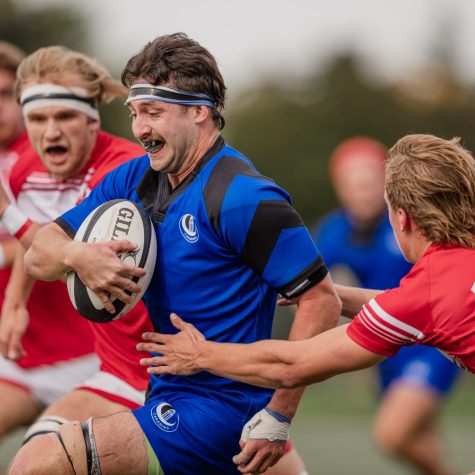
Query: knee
388	439
37	457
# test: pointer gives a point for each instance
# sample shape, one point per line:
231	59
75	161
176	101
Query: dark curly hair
182	62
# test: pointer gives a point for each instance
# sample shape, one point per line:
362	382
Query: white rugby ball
113	221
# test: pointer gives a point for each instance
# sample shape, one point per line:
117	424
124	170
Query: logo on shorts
165	417
188	228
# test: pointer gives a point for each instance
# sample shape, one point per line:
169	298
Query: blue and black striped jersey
228	241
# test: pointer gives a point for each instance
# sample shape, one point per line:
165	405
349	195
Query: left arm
269	363
318	310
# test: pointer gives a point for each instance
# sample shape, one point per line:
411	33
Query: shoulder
109	153
23	163
411	300
231	182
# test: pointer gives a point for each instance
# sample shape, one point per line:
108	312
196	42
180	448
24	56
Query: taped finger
241	458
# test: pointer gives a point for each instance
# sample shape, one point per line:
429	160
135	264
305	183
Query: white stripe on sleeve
377	332
395	322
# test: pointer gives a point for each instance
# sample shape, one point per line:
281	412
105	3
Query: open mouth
152	146
56	150
57	153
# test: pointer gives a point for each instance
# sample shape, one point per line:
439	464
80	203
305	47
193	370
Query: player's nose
140	128
52	131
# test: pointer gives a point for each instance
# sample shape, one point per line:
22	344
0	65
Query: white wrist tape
269	425
14	219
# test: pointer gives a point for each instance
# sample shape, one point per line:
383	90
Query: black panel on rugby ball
83	303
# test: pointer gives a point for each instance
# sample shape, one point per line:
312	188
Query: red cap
360	148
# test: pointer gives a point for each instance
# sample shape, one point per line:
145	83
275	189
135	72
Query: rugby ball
115	220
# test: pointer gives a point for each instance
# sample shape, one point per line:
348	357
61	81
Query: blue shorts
419	366
191	434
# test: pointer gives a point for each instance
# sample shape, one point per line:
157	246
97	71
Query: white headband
45	95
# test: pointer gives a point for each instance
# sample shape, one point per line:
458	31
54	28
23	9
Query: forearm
353	299
20	285
315	314
285	364
9	248
47	258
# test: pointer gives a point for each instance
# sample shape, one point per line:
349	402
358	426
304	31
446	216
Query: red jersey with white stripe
50	337
43	199
434	306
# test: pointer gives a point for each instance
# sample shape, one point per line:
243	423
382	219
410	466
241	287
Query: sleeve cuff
65	227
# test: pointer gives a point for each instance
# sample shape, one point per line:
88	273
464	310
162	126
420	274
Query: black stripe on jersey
154	190
309	277
65	227
270	218
223	174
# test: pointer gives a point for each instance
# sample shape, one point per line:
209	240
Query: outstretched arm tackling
271	364
352	299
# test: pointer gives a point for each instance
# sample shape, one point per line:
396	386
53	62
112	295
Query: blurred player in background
11	129
359	237
49	368
59	91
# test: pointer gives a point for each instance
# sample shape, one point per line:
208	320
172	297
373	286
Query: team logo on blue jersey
165	417
188	228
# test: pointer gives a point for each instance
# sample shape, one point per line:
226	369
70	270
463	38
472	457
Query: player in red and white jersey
430	193
69	155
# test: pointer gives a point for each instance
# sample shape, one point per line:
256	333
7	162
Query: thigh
121	445
17	407
290	464
80	405
406	409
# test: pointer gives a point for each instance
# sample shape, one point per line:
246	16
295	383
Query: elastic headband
145	90
46	95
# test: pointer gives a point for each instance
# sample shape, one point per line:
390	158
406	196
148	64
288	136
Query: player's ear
403	219
201	113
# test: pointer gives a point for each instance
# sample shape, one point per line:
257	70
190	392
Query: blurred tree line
31	28
289	134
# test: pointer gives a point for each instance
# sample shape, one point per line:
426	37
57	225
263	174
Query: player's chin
160	162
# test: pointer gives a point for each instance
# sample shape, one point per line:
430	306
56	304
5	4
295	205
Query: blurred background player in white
47	369
358	243
60	91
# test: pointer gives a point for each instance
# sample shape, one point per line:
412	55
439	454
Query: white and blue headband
46	95
145	90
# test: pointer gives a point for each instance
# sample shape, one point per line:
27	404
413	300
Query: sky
256	39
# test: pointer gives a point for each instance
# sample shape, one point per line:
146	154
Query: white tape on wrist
268	425
15	220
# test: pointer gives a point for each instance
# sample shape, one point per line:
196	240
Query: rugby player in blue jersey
228	241
358	237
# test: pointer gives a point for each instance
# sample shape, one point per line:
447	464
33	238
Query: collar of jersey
165	197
